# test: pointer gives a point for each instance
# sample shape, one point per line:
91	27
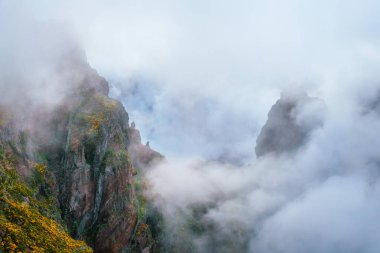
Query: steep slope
288	126
142	155
96	177
85	144
29	214
95	174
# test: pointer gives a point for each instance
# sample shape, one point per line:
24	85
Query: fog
235	58
199	79
323	198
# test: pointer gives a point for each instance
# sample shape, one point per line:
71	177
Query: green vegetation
108	104
140	202
25	225
94	111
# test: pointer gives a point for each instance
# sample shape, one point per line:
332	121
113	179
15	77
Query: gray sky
208	68
199	77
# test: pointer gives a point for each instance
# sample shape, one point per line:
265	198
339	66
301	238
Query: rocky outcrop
142	155
96	177
289	125
30	218
90	150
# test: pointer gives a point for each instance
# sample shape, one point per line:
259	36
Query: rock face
142	155
90	149
96	179
290	122
29	215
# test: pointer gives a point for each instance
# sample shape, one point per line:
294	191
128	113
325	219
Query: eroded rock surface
90	150
290	122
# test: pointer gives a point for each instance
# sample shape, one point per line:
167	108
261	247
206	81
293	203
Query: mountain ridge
85	142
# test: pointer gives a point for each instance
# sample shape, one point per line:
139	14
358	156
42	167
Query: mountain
75	168
288	126
72	169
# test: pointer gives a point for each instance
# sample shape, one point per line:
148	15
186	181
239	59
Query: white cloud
203	76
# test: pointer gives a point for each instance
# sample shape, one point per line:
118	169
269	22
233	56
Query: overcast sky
199	77
205	73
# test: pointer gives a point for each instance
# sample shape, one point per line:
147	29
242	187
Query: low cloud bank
321	198
199	81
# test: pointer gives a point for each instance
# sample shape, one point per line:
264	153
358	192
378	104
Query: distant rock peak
290	122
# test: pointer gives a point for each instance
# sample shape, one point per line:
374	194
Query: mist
199	80
322	198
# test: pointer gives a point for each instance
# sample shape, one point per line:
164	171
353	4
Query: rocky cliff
288	126
89	152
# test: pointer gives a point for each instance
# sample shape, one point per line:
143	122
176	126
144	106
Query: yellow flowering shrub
41	168
22	226
96	121
24	229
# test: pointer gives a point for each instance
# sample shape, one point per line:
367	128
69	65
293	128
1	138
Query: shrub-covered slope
27	221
